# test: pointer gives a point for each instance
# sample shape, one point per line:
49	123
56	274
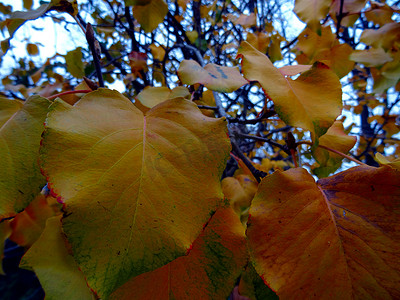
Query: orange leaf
334	239
209	271
312	12
154	179
213	77
29	224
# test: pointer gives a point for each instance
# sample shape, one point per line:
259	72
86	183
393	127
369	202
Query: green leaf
312	101
20	177
56	269
137	188
74	63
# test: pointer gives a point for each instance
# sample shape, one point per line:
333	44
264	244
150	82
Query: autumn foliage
233	162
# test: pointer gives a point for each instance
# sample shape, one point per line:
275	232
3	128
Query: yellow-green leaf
151	14
212	76
20	177
56	269
395	164
209	271
334	239
74	62
335	138
312	12
8	108
154	179
312	101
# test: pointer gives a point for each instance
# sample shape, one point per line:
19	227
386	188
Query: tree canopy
195	148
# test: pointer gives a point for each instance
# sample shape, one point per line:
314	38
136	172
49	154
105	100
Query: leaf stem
334	151
67	93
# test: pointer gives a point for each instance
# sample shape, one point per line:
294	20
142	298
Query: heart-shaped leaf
138	188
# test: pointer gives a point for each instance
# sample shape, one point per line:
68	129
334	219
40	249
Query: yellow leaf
213	77
312	101
312	12
152	96
56	269
395	164
371	57
150	15
336	139
342	230
20	177
240	190
383	37
154	179
157	52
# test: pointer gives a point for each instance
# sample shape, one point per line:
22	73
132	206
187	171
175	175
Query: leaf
154	179
395	164
152	96
32	49
212	76
312	12
57	271
28	225
74	62
312	101
325	48
335	239
383	37
251	285
20	177
240	190
18	18
371	57
209	271
150	15
8	108
337	139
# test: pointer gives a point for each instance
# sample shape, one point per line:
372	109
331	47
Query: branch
95	49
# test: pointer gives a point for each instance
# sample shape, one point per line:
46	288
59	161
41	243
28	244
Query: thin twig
334	151
68	92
